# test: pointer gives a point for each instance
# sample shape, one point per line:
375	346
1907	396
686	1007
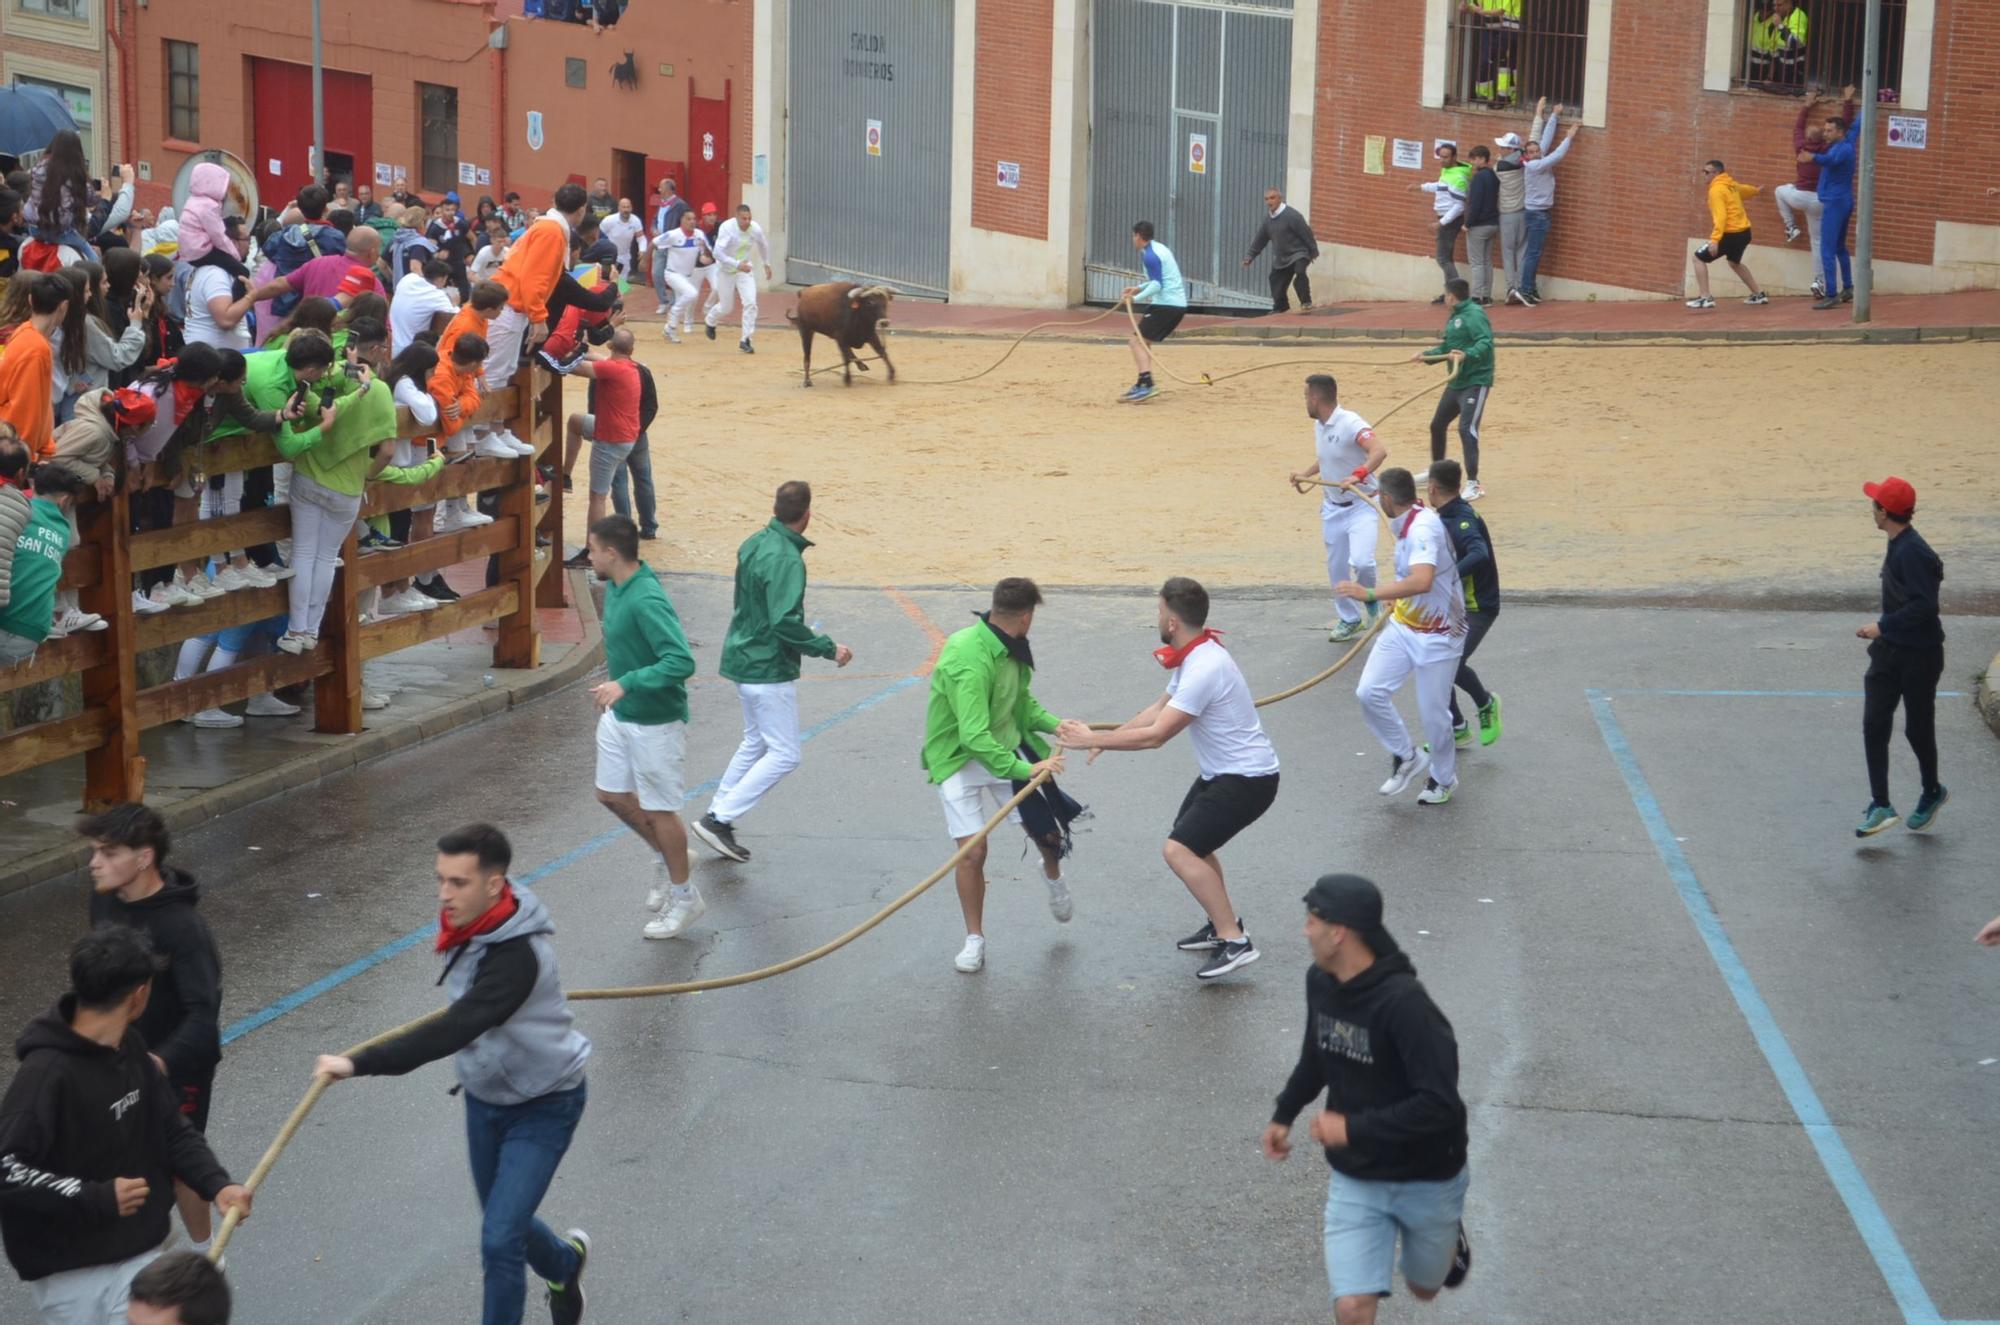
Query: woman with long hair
163	329
107	353
408	378
70	342
313	313
159	471
57	204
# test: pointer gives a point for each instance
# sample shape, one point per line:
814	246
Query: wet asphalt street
1070	1135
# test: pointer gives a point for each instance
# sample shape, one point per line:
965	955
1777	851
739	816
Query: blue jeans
1833	219
640	465
515	1149
1531	252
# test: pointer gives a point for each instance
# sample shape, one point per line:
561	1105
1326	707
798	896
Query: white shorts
643	757
92	1294
971	796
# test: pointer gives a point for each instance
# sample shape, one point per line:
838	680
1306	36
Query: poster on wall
1373	148
468	173
1409	154
1908	131
1197	154
874	137
534	131
383	173
485	177
1009	174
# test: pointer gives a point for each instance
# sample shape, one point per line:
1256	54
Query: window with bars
77	10
1506	54
184	91
1793	46
439	146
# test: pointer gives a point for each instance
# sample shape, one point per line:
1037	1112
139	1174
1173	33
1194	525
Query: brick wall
73	55
1010	114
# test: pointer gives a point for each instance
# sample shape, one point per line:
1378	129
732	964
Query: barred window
1507	54
439	145
1792	46
184	91
78	10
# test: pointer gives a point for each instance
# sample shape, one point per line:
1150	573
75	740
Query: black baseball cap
1350	900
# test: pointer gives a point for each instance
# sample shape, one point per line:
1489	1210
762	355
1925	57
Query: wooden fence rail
100	568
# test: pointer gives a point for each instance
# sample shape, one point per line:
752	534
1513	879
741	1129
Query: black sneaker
1203	939
746	347
710	330
1435	302
566	1298
438	589
649	535
1461	1261
720	838
1231	954
581	561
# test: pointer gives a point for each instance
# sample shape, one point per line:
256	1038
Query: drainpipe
496	61
128	87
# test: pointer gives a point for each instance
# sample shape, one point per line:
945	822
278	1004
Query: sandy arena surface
1732	469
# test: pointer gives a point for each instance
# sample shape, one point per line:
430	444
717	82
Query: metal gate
1190	117
869	187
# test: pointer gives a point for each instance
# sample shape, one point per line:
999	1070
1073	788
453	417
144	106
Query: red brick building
64	47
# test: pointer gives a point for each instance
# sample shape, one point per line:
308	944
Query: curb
55	862
1848	334
1986	699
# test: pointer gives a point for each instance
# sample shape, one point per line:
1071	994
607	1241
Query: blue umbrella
29	117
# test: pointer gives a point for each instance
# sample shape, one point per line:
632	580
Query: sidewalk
193	774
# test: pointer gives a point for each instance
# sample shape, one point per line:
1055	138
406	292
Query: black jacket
1482	198
1911	577
1385	1057
182	1021
1473	547
76	1116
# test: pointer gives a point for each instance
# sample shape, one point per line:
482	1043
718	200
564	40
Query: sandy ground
1731	469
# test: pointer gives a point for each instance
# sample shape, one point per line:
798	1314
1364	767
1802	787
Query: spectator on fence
1293	250
538	260
1448	202
492	252
228	493
27	357
340	275
107	352
1800	198
1540	201
420	301
627	234
668	208
1482	221
1778	31
14	460
455	385
160	465
45	538
635	499
163	325
1836	164
124	271
69	342
1730	238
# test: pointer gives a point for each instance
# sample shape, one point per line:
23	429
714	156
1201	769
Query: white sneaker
296	642
76	619
198	586
214	719
460	514
144	606
1474	490
680	914
659	310
278	574
268	705
672	338
167	594
508	437
257	575
229	579
374	701
973	955
521	445
1405	771
656	896
410	600
56	630
1061	905
1701	301
494	447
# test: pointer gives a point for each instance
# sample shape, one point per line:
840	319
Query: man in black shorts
1166	292
1730	239
132	885
1208	696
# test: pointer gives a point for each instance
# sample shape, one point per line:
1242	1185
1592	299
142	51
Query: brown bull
848	314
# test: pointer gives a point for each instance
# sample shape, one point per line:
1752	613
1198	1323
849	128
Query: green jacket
980	708
340	457
268	384
1468	330
646	651
768	631
38	561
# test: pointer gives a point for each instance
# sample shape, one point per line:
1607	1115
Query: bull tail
792	316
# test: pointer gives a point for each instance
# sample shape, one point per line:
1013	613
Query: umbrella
29	117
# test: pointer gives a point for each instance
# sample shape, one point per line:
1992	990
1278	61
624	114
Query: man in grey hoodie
1514	199
519	1057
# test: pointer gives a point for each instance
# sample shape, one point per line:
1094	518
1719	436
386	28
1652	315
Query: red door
281	103
708	150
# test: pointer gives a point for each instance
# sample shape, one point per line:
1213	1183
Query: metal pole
319	101
1864	175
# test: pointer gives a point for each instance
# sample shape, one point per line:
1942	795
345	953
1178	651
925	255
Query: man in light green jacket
767	636
980	717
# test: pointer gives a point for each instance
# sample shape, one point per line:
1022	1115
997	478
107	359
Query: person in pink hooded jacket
203	240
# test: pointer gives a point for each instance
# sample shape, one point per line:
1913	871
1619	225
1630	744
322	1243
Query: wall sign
874	137
1197	154
382	172
1010	174
535	139
1409	154
1908	131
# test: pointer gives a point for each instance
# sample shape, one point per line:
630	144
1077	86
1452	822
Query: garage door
869	193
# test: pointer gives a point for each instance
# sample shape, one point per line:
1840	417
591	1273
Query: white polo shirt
1341	443
1209	687
1421	540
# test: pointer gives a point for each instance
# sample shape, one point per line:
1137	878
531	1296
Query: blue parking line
298	998
1753	694
1869	1219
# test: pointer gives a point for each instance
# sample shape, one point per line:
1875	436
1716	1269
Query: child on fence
91	447
455	386
45	538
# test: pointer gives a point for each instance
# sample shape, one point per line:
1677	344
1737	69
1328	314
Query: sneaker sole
1884	826
1420	764
1218	972
716	844
1207	946
973	969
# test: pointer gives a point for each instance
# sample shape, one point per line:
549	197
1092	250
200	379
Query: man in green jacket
642	727
1468	343
767	635
980	718
38	560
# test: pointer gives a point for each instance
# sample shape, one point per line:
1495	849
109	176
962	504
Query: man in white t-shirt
681	253
419	299
734	243
1344	449
627	234
1238	780
215	316
1426	635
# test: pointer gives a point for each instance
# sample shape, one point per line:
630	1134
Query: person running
643	715
1730	239
1345	449
734	278
131	884
517	1053
1905	660
760	657
1166	292
679	254
983	741
1425	636
1238	768
1479	581
1468	343
1393	1125
92	1140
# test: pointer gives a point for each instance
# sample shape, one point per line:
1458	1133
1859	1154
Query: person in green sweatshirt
767	636
38	559
980	725
642	722
1468	343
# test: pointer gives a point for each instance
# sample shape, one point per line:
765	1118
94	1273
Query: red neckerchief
186	396
1409	520
1171	657
496	915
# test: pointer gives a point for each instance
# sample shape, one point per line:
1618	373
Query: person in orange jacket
1730	239
27	365
530	272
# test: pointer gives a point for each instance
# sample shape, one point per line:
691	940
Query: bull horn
871	291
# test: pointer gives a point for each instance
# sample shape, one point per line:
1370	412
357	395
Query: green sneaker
1876	819
1489	720
566	1299
1927	809
1346	631
1461	735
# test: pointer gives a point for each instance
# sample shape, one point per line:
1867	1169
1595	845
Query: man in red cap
1905	659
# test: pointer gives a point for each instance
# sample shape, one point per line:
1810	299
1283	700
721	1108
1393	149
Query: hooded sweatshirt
201	230
77	1116
1386	1058
182	1019
1725	205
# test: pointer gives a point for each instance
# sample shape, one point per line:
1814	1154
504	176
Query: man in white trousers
760	656
682	252
734	277
534	265
1425	636
1344	448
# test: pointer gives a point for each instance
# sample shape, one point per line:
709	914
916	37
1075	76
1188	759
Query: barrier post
337	693
519	643
114	771
550	437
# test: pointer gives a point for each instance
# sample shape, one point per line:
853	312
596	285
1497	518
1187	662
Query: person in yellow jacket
1778	44
1730	239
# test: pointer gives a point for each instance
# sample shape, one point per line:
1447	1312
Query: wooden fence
116	710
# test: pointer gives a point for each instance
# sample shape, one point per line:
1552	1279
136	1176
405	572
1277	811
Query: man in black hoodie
1393	1125
92	1138
132	884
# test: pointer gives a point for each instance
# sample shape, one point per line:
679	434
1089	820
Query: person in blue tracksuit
1166	292
1836	200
